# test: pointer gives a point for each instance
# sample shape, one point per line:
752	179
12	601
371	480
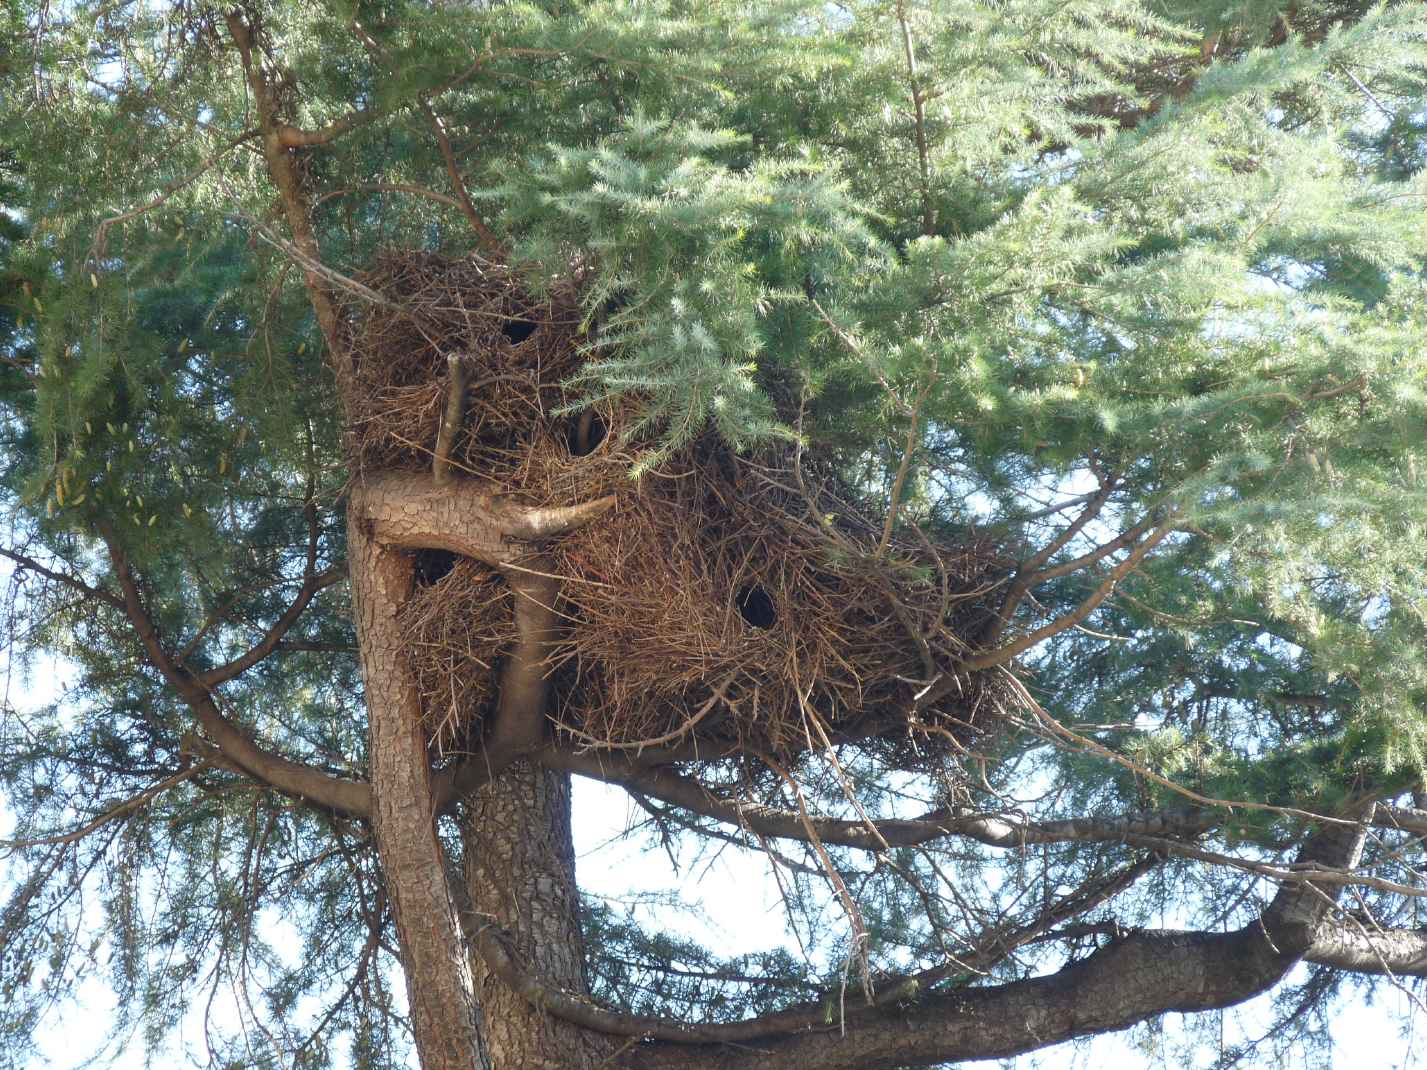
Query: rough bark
527	882
1362	947
520	874
445	1015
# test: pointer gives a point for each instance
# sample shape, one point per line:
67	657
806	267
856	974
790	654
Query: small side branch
450	419
1003	830
29	564
490	244
128	806
272	639
1004	654
1029	572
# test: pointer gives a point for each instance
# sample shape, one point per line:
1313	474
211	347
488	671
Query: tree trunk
445	1015
520	873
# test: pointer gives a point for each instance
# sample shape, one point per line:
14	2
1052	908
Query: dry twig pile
741	593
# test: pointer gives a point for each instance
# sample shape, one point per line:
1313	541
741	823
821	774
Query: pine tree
965	449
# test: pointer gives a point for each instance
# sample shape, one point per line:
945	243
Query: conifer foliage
969	453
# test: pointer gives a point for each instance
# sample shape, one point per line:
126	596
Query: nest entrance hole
755	606
517	330
431	566
585	433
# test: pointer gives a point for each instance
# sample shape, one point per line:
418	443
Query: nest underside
738	600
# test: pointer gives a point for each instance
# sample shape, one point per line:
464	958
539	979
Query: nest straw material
734	599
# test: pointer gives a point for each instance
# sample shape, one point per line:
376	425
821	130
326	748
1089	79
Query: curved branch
1006	830
1004	654
1138	977
273	638
412	511
340	794
31	565
1027	572
128	806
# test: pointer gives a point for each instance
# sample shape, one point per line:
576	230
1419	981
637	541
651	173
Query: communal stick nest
734	599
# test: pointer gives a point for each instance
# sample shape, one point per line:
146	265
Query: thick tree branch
520	722
1138	977
412	511
1365	949
292	137
352	797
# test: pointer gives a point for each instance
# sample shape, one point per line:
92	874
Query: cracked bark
520	873
445	1015
519	859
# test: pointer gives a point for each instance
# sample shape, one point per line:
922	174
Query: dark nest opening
746	591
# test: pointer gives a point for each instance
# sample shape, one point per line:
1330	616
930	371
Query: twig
683	730
96	250
450	419
490	244
906	464
315	266
125	807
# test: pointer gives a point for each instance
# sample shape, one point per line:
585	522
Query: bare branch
1029	569
96	251
29	564
283	774
490	244
1004	830
273	638
451	419
389	187
128	806
1004	654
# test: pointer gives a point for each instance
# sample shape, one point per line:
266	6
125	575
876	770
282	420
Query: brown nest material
728	599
